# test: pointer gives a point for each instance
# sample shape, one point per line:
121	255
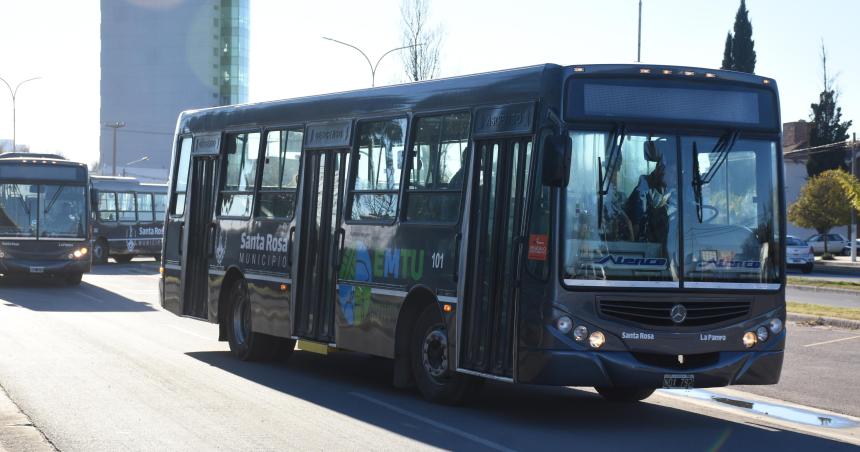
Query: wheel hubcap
241	319
435	353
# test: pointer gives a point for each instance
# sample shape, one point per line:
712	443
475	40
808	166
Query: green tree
739	53
728	62
825	203
827	127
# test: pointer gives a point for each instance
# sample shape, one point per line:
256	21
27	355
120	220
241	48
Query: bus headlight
84	251
775	326
761	333
77	253
596	339
580	333
564	324
749	339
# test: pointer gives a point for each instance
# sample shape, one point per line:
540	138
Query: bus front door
320	237
487	322
195	243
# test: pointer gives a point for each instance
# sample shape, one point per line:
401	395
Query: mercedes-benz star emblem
678	313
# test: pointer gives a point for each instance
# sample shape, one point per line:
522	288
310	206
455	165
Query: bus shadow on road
131	268
52	296
504	416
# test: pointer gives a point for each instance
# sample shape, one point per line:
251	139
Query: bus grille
657	313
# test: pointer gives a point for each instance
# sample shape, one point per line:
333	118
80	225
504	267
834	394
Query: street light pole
114	126
372	66
639	38
142	159
14	93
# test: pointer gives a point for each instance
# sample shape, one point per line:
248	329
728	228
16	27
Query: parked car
847	250
835	243
799	254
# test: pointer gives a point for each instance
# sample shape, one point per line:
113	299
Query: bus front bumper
625	369
21	267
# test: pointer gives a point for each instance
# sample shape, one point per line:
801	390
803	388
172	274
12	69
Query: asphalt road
102	367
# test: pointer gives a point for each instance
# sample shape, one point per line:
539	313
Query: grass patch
824	311
801	281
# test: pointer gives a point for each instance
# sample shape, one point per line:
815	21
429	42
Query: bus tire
101	250
616	394
244	343
74	279
123	258
430	366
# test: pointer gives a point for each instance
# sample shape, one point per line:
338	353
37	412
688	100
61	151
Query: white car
835	243
798	254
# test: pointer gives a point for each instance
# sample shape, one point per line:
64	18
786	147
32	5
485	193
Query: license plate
678	381
37	269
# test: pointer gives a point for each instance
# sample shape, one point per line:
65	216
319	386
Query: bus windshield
640	210
42	210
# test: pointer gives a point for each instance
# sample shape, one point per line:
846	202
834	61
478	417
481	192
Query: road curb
17	432
828	321
823	289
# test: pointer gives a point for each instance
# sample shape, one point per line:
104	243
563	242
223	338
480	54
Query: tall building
158	58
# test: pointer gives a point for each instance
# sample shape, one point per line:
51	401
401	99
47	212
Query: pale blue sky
59	41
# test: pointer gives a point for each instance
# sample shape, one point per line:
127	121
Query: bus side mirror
556	160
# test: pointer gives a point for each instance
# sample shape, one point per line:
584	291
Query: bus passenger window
437	168
181	177
237	189
126	207
280	174
107	206
160	204
378	166
144	207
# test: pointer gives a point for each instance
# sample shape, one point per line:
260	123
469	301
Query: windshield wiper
54	198
613	154
721	149
21	200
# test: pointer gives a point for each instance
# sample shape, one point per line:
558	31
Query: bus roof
122	183
505	86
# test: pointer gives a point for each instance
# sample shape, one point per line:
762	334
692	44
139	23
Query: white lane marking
483	441
834	340
190	333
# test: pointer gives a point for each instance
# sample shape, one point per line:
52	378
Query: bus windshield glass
632	210
42	210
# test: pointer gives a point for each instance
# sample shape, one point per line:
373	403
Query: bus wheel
244	343
430	362
123	258
100	252
624	394
74	279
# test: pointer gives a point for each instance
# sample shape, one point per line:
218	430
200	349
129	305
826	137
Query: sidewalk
17	433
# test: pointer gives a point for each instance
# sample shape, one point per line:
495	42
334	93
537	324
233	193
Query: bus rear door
487	322
320	238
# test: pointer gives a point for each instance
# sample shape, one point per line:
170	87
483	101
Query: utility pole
852	233
14	93
639	40
114	126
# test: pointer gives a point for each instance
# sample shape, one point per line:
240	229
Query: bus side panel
266	266
379	264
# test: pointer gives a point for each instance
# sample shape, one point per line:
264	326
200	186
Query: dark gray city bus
44	217
615	226
128	218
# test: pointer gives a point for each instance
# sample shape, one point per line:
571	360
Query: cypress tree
743	51
728	62
739	53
